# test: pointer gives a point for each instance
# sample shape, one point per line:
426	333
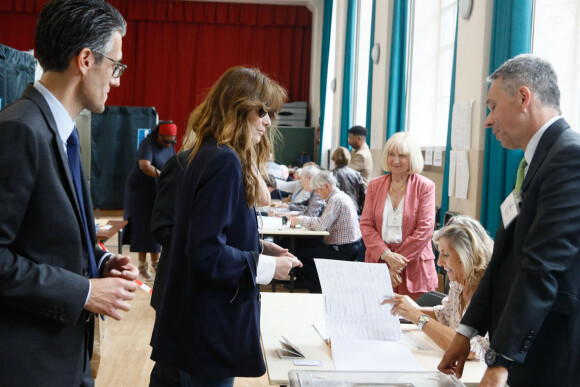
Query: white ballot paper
356	321
353	292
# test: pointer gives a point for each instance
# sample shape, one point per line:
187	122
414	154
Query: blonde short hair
405	143
471	242
341	157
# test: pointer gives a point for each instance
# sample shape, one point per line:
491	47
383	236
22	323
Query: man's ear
84	60
524	97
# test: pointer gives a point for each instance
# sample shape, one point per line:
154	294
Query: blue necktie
72	148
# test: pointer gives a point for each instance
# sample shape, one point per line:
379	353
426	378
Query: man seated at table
313	205
339	219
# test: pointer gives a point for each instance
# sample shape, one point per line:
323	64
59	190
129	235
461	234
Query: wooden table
292	316
116	228
292	233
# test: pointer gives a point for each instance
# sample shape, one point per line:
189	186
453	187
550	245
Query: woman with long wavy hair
207	324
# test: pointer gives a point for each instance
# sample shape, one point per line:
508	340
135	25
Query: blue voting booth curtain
510	36
370	82
398	70
326	29
348	78
444	194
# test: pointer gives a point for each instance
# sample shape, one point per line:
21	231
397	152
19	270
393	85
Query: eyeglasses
119	67
262	113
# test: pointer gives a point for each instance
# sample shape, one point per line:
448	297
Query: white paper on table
320	327
437	157
461	125
415	339
429	156
452	165
353	292
373	355
461	174
271	222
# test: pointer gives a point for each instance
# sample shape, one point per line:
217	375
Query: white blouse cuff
266	269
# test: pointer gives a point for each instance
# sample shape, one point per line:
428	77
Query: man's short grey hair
321	178
533	72
309	171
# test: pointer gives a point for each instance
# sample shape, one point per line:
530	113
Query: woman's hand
395	261
279	205
405	307
395	278
270	248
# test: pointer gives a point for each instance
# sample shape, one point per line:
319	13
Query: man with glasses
52	279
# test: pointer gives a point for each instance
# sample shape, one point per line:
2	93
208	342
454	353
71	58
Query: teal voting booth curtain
326	26
348	78
510	36
396	104
444	193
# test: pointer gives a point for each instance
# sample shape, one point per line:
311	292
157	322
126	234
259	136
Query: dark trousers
308	273
164	376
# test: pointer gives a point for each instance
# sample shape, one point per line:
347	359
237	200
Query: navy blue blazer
528	299
208	319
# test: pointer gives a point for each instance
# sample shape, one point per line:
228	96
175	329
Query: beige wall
473	42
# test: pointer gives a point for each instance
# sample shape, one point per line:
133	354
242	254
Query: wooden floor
125	347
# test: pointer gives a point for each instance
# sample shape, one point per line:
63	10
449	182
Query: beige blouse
448	313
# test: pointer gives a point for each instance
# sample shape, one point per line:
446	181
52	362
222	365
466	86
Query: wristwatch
493	358
424	319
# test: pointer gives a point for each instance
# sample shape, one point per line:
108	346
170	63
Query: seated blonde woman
464	252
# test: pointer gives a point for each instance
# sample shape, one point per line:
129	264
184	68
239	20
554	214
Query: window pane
363	43
431	65
556	37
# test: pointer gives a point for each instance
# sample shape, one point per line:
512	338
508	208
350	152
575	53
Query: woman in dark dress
141	190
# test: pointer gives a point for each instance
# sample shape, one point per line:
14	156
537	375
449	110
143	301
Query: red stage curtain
176	50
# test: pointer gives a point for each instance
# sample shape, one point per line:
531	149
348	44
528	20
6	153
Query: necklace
402	188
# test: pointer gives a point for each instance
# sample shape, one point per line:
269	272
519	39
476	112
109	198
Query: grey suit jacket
528	299
43	257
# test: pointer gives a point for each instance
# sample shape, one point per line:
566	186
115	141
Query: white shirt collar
64	123
533	144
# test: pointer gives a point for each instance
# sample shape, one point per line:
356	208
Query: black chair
432	298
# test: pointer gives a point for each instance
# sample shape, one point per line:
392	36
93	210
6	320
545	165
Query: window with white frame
361	66
430	44
556	38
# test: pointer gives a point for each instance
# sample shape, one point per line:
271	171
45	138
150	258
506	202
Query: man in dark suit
52	279
528	299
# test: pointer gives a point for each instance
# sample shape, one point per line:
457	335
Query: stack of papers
364	335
